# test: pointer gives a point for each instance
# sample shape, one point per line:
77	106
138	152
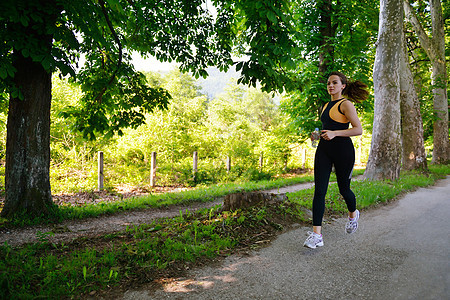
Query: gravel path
70	230
400	251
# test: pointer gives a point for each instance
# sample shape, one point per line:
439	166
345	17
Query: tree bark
27	170
326	51
385	151
413	148
435	49
441	144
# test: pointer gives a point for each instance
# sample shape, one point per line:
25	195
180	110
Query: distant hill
211	86
216	81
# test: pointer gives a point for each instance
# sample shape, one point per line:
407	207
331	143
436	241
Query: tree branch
419	61
423	37
116	38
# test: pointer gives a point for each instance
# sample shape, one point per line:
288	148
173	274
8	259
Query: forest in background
274	46
240	122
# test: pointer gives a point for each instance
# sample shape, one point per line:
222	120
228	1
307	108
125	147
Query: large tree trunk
385	151
326	51
27	179
441	145
414	156
435	49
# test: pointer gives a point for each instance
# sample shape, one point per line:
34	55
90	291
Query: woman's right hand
328	134
315	136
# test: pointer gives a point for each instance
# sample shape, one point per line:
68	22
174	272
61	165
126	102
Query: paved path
400	251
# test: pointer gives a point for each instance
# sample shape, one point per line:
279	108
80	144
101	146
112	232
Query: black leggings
340	153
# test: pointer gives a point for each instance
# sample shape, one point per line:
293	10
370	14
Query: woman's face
334	85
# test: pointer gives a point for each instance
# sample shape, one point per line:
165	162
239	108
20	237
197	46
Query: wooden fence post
228	164
195	164
153	169
100	171
304	158
358	158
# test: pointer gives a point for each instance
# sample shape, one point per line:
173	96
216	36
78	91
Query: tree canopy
40	37
104	33
332	36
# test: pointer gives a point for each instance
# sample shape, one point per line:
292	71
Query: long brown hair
354	90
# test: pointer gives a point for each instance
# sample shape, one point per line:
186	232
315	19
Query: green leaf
239	66
46	62
24	21
11	70
203	73
65	69
15	94
3	73
25	52
115	5
272	17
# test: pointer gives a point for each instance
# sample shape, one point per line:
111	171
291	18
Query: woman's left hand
327	134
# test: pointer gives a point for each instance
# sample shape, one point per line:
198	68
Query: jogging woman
336	148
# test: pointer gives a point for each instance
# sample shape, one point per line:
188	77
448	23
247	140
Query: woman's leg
343	163
344	168
322	170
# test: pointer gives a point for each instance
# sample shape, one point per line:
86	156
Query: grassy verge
369	193
201	194
168	247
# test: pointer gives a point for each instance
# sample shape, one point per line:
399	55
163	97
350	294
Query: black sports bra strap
339	106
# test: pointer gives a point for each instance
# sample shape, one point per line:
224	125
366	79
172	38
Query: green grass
200	194
369	193
55	271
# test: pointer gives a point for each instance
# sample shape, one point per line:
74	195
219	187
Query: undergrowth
138	254
199	194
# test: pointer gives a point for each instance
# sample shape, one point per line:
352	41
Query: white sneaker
314	240
352	224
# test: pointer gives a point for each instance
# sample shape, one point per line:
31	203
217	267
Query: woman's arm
349	110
